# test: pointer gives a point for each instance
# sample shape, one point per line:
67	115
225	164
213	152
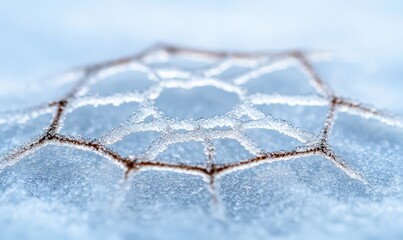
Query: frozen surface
184	107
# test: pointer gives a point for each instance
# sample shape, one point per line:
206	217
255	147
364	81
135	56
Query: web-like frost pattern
227	125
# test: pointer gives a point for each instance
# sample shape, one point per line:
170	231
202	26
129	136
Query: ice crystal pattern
229	125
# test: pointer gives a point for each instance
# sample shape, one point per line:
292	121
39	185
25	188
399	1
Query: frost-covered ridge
228	125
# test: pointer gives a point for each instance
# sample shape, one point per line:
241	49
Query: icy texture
242	145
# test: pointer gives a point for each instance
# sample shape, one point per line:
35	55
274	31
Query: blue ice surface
65	193
70	193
